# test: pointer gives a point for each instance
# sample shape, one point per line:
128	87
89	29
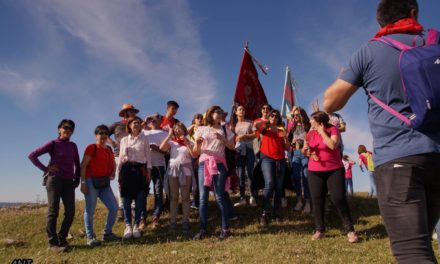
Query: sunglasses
218	111
265	108
103	133
274	115
67	128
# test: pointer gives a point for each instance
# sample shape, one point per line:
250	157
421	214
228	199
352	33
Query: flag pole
284	87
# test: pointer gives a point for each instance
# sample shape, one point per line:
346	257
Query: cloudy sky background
83	59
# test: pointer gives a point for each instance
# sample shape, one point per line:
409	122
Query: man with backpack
406	140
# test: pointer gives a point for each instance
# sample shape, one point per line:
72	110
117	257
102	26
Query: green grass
286	242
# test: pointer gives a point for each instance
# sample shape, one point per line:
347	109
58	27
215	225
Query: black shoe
63	242
111	238
224	235
200	235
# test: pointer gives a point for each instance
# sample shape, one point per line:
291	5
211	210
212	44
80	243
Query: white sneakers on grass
136	231
128	232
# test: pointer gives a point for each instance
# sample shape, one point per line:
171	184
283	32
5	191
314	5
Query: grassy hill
286	242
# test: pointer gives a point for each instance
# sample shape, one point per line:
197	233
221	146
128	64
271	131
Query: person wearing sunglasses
273	163
63	176
134	174
244	147
210	144
297	129
97	170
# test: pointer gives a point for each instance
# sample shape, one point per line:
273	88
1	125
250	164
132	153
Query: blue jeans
349	185
273	173
138	205
372	183
108	199
218	184
246	162
157	175
299	174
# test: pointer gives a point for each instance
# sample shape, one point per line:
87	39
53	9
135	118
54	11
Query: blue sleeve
354	71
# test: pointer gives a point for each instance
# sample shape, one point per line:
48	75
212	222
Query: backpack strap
392	43
390	110
432	37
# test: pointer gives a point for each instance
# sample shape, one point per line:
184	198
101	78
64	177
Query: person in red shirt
273	144
326	172
97	169
168	119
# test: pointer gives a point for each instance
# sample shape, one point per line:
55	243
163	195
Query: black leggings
332	181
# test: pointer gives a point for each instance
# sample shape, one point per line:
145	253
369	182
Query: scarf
179	141
405	25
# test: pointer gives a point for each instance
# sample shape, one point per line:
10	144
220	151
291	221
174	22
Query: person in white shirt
211	141
134	174
156	136
179	173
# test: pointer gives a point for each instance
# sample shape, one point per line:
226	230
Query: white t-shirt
156	136
211	145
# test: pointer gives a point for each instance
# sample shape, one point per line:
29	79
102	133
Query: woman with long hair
243	130
297	129
273	163
326	173
366	159
210	144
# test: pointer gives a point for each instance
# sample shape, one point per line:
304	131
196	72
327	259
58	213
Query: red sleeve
89	150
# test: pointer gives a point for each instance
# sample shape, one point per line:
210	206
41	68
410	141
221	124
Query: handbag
101	182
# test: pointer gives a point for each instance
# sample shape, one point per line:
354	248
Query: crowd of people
192	162
183	162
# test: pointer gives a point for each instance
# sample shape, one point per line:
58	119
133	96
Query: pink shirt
328	159
348	171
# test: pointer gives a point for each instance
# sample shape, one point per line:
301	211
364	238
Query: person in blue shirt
407	161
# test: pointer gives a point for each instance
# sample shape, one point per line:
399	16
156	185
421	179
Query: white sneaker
241	202
128	232
252	201
136	231
283	203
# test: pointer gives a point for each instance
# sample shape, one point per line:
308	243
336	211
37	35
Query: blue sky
83	59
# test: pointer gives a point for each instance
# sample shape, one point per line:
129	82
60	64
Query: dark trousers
408	192
332	181
57	189
157	175
195	188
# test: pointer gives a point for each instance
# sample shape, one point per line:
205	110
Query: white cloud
155	45
26	90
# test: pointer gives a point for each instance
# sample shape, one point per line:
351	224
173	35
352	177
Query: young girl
348	164
179	173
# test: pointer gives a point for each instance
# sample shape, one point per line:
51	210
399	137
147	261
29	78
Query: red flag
249	92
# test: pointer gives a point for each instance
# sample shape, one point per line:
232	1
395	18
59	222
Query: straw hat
127	107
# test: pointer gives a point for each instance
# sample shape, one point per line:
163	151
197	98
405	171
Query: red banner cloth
249	92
